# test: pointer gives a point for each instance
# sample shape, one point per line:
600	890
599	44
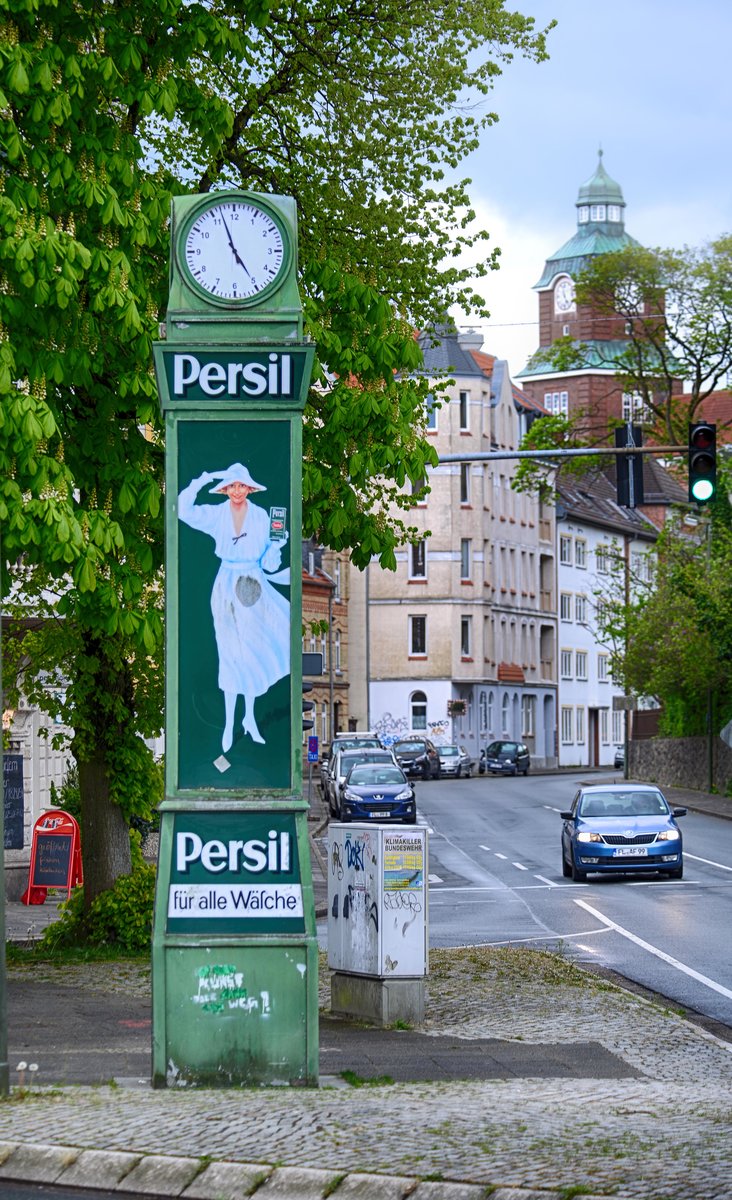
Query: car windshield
357	743
403	747
624	804
373	775
352	757
502	748
449	751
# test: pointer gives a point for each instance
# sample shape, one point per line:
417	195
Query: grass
358	1081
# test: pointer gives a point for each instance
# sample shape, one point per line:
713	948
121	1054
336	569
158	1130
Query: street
496	878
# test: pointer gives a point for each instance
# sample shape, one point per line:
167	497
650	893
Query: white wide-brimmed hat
236	473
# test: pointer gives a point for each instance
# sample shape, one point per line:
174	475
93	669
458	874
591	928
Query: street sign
312	749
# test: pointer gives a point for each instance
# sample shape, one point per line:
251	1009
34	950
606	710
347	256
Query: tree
105	112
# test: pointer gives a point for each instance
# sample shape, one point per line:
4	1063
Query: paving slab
161	1175
98	1169
38	1163
362	1186
432	1190
227	1181
298	1183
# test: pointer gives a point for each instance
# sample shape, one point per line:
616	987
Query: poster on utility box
235	872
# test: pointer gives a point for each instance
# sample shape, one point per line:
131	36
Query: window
528	710
466	629
604	726
566	664
618	727
418	635
337	593
580	609
324	650
567	724
431	412
598	212
565	550
580	719
613	212
418	487
583	214
603	668
490	712
581	664
483	713
464	411
323	723
557	403
505	712
466	554
635	408
465	483
565	606
580	552
338	651
602	559
418	710
417	560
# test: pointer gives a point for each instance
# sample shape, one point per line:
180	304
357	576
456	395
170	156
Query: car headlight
668	835
405	795
588	837
350	796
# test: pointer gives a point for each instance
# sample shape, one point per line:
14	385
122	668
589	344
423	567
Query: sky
646	80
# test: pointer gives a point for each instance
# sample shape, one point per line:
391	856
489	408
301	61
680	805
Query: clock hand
235	252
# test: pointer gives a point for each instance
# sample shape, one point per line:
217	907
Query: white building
470	613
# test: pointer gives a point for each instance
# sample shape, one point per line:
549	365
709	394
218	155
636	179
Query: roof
592	499
443	354
600	188
599	354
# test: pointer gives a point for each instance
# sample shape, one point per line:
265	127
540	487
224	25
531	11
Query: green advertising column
234	939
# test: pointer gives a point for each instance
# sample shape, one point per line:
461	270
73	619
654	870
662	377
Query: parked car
455	760
341	764
417	756
378	792
619	760
626	829
506	758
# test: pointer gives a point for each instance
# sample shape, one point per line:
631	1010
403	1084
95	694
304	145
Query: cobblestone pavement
664	1136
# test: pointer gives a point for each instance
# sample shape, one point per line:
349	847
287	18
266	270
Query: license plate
630	852
376	814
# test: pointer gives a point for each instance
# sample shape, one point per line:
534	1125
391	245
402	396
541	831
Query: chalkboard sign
55	856
13	805
52	860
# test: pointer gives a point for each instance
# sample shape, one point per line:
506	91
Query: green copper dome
600	188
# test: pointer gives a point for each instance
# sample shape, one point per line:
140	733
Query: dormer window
598	212
583	214
613	212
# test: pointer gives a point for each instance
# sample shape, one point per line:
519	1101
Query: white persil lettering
236	856
273	378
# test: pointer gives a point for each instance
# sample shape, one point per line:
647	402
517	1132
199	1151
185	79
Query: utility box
377	921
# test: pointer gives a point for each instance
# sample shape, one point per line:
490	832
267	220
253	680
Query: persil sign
230	867
192	376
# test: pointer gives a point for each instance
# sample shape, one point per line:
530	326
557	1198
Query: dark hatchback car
506	758
621	829
418	756
378	792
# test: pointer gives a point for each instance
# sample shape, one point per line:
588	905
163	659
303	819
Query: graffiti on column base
220	988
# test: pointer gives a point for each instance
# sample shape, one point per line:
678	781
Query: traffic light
702	462
307	707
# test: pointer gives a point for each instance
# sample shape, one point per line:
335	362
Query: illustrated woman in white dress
251	619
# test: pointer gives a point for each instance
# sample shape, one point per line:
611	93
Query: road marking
549	882
503	856
519	866
709	862
434	879
674	962
485	847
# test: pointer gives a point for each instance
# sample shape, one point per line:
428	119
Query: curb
203	1179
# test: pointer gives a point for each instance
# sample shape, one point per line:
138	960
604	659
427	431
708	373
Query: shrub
119	917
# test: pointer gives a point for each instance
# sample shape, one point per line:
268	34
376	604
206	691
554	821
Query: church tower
591	388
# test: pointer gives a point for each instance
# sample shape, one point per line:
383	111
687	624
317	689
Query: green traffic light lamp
702	462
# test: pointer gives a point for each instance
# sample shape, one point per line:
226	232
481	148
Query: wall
681	762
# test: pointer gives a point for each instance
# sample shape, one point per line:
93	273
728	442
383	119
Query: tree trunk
105	837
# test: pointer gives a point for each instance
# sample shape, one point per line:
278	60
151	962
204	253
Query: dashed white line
667	958
519	866
503	856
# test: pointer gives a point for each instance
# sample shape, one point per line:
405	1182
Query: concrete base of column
381	1001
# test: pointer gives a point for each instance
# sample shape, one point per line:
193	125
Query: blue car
621	829
378	792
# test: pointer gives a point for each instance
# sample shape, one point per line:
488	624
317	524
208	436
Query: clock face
564	295
234	251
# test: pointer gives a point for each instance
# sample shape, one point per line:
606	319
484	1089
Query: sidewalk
529	1079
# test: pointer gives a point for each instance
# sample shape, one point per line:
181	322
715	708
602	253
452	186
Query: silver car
455	761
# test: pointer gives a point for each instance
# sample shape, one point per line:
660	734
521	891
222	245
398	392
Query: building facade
460	642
